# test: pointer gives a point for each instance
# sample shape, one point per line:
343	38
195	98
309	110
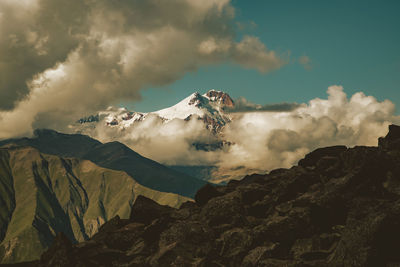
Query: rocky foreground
339	207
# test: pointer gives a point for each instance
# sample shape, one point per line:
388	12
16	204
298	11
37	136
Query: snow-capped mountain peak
210	104
208	107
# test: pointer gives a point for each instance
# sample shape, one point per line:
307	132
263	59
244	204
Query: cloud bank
64	59
261	140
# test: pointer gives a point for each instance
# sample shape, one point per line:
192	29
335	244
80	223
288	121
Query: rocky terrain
339	207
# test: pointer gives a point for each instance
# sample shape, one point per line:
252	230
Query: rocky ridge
339	207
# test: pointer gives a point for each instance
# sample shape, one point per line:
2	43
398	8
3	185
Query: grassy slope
55	194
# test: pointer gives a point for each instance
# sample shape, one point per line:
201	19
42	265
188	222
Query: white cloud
263	140
109	51
268	140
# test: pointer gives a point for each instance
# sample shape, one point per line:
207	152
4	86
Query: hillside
115	156
41	195
338	207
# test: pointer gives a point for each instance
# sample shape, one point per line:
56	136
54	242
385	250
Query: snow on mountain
208	107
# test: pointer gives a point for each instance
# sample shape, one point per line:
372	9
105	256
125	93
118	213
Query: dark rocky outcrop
339	207
392	140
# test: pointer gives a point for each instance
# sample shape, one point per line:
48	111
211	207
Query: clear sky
350	43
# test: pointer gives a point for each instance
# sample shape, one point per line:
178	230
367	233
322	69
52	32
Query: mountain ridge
338	207
44	194
147	172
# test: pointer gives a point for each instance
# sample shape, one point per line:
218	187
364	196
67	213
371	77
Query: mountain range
72	183
212	109
112	155
338	206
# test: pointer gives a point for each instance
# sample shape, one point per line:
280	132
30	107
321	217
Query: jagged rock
112	225
227	209
145	210
314	157
392	140
255	256
222	97
59	253
206	193
235	244
339	207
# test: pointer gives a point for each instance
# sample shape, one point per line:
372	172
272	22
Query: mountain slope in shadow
113	155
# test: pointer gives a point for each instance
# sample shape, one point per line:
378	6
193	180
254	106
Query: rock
206	193
255	256
59	254
221	97
311	159
227	209
261	208
145	210
112	225
392	140
234	244
185	241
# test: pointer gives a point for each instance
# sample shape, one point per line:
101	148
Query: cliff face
339	207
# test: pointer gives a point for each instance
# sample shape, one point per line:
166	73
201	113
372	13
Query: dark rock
234	244
311	159
261	208
206	193
392	140
121	238
145	210
255	256
59	253
227	209
112	225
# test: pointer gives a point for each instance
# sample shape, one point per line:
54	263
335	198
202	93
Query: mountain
208	108
113	155
338	207
42	194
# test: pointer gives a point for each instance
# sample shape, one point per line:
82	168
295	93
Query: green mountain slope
114	156
44	194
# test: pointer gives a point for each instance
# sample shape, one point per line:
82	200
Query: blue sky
350	43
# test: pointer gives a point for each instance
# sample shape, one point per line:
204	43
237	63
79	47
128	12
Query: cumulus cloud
261	141
64	59
268	140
